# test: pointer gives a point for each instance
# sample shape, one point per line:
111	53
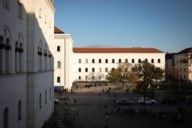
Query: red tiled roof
58	31
116	50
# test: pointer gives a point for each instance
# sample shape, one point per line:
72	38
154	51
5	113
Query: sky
162	24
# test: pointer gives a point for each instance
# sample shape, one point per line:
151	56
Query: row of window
118	61
45	97
8	49
7	4
6	114
44	57
93	69
86	78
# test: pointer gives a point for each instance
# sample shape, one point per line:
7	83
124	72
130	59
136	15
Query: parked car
146	100
169	100
124	101
56	101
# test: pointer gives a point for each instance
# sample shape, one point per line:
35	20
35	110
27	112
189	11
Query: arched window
2	45
58	79
86	69
113	60
159	60
119	60
106	60
45	96
93	60
106	69
79	69
126	60
40	101
93	69
139	60
20	58
133	61
7	55
19	110
58	64
99	60
79	61
6	118
152	61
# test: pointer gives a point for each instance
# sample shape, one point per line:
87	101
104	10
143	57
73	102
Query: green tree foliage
148	73
123	73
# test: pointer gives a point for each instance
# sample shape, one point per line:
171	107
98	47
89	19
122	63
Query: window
50	93
86	69
106	60
133	61
79	61
113	60
93	69
1	54
146	60
99	77
93	60
58	64
139	61
20	9
6	118
159	60
58	79
45	96
79	77
79	69
40	101
126	60
106	69
119	60
19	110
99	60
93	77
152	61
100	69
86	61
6	4
58	48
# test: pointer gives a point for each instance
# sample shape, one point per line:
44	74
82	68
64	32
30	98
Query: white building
26	69
93	64
62	52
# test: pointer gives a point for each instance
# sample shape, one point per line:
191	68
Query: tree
114	76
148	73
123	73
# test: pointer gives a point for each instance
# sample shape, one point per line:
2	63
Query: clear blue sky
162	24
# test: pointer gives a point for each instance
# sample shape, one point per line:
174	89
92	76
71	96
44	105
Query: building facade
26	63
93	64
62	51
183	65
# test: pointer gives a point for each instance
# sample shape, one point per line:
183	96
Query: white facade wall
40	78
64	41
23	75
100	67
13	64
